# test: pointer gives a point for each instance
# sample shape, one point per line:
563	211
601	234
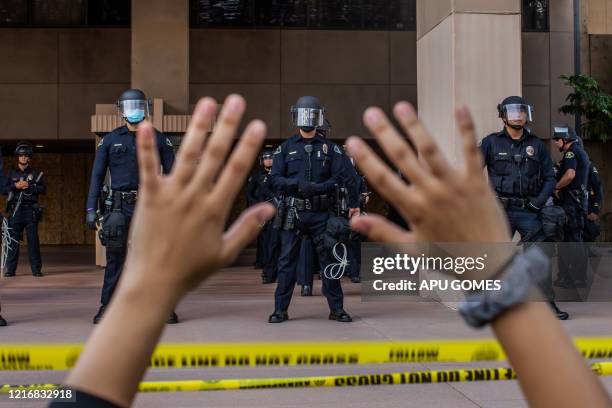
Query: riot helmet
308	114
564	133
266	154
514	108
24	149
134	106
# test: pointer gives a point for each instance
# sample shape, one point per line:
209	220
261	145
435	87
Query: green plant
590	102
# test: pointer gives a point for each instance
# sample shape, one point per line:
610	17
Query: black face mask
515	127
307	129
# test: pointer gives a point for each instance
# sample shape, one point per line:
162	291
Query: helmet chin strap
515	127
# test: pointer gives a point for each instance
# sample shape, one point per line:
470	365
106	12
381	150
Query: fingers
193	143
148	159
427	147
386	182
379	229
244	230
240	162
472	154
220	141
400	153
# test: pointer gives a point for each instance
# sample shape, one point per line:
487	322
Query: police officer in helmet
306	169
116	153
24	185
521	173
592	224
259	190
571	194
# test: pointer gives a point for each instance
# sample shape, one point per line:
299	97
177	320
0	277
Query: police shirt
519	168
117	153
30	194
292	164
575	158
595	190
259	188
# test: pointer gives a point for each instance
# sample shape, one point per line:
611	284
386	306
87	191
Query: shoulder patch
101	142
168	142
569	155
595	170
337	149
278	150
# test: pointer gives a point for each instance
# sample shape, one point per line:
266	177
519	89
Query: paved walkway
233	306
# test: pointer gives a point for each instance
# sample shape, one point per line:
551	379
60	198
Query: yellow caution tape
416	377
17	357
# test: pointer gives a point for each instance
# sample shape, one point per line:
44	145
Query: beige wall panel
77	102
430	13
403	57
95	55
344	103
539	98
23	116
341	57
486	37
561	15
601	60
536	58
28	55
231	56
160	51
600	13
561	62
435	78
488	6
399	93
263	101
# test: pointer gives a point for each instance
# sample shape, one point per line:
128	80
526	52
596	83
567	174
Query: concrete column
468	52
160	51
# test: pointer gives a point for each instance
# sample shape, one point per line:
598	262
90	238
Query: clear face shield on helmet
307	117
134	110
518	112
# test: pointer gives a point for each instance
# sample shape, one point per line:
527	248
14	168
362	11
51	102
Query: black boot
37	274
8	274
306	290
173	319
3	322
561	315
99	315
278	316
340	316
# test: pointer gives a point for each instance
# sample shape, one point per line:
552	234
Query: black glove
306	189
532	207
91	219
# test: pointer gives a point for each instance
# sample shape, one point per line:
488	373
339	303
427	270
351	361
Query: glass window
13	12
314	14
109	12
58	12
535	15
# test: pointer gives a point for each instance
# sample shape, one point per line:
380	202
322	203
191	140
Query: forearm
542	354
118	351
565	180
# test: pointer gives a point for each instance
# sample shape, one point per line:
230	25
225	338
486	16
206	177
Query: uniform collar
504	132
316	139
27	169
123	130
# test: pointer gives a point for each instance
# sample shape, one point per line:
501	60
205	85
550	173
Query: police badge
530	151
325	148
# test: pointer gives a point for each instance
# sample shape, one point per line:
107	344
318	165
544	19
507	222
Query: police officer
259	190
592	225
24	184
116	153
306	169
521	173
3	322
571	194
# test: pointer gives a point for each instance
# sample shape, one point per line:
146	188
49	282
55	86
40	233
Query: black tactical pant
312	223
270	248
114	261
24	218
573	259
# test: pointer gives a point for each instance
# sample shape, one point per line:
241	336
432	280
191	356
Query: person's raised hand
178	235
443	203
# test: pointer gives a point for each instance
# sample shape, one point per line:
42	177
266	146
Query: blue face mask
135	116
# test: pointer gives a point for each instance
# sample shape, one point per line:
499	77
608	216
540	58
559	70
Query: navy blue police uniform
307	181
259	190
355	242
522	174
573	199
592	228
116	153
24	213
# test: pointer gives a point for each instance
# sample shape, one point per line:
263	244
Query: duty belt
128	197
513	202
315	203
